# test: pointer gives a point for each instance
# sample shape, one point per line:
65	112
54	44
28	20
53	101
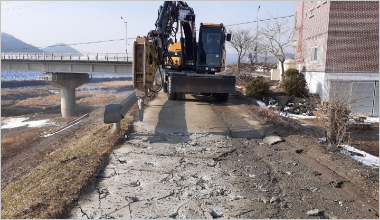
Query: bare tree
242	41
277	39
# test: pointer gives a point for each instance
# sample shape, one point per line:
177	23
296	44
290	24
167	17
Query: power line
8	2
288	16
93	42
25	6
42	10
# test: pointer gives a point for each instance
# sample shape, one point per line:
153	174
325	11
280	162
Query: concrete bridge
67	71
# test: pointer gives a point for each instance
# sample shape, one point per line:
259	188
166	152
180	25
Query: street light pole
126	37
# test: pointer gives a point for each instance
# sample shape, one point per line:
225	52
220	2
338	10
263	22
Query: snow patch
372	120
366	159
261	104
92	89
20	122
287	108
54	91
294	116
285	114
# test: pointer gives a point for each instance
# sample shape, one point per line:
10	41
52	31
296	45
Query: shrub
336	123
333	117
295	83
257	88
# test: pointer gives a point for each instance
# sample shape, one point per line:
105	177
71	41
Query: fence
119	57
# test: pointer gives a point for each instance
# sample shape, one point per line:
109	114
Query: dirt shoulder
182	164
305	141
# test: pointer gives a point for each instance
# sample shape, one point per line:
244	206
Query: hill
60	47
232	58
11	44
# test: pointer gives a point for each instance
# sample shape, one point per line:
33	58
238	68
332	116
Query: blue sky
47	23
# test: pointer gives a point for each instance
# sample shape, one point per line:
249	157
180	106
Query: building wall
346	34
353	37
311	30
347	37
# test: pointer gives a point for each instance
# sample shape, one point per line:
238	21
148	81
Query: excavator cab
189	67
211	48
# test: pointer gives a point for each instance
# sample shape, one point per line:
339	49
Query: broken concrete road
196	159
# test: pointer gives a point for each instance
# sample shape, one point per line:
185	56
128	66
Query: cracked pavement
196	159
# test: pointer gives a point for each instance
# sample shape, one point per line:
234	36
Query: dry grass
6	103
15	142
97	98
115	84
270	116
371	147
54	99
5	92
50	188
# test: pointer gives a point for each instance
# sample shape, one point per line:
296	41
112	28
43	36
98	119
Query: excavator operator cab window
213	44
210	47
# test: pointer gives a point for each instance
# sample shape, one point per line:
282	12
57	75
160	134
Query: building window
311	14
314	54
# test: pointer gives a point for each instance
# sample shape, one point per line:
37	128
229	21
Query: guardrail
120	57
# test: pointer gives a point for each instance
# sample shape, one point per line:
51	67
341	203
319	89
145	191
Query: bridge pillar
66	82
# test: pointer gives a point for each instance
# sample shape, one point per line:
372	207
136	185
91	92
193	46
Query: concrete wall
318	81
287	65
275	74
362	88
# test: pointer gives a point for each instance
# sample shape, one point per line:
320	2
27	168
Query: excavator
186	66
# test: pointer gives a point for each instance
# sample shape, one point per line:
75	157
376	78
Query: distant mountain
232	58
12	44
60	47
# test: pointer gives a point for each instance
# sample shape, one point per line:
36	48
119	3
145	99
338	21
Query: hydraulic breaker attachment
144	67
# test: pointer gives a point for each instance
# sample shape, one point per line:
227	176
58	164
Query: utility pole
257	32
126	37
266	57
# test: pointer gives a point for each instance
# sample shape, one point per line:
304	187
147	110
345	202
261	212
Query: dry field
41	176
